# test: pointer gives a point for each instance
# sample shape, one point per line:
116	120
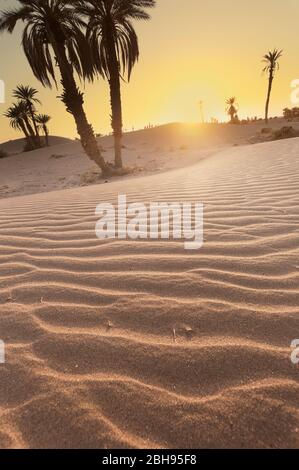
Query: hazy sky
191	50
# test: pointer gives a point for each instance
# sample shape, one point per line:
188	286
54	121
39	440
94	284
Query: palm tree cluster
24	117
82	39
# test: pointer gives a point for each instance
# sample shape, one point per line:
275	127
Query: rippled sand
88	324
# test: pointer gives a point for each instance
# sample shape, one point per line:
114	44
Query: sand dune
88	324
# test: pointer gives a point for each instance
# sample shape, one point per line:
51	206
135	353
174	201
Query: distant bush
266	130
3	154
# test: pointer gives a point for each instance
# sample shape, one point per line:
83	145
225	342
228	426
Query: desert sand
91	358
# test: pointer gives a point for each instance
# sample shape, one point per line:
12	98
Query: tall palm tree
28	95
54	25
17	114
232	108
271	67
42	120
114	43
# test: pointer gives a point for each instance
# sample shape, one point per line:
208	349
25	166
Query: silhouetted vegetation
83	38
42	120
268	134
291	114
114	44
53	29
27	95
23	117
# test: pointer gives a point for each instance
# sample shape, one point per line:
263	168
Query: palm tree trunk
26	133
73	99
37	137
115	99
268	97
30	131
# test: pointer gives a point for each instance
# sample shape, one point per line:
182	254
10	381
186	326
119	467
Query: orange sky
191	50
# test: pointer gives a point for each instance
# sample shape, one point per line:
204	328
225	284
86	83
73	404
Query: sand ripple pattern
91	356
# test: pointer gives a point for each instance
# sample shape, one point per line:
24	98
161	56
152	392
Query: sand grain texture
88	325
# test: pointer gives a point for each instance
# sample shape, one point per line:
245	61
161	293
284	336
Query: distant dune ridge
144	344
64	165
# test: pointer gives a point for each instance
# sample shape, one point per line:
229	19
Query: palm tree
272	65
43	120
202	116
114	43
232	108
17	114
28	95
54	25
288	113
